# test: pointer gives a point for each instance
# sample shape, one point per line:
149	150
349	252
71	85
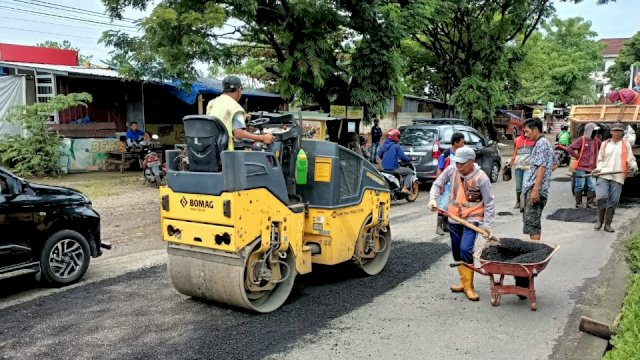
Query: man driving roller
226	108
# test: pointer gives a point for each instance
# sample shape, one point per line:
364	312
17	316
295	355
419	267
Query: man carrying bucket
471	199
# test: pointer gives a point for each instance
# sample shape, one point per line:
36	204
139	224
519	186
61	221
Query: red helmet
394	135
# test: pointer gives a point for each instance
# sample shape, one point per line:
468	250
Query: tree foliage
327	50
37	153
559	62
470	52
620	72
66	45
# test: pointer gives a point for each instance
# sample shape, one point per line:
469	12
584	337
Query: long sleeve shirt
589	158
484	185
610	160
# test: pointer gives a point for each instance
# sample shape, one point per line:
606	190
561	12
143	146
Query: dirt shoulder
129	210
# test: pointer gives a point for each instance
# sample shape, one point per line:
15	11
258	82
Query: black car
47	230
425	140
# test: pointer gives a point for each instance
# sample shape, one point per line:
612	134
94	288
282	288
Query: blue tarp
207	86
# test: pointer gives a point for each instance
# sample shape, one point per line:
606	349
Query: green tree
559	62
470	52
329	51
620	72
37	153
66	45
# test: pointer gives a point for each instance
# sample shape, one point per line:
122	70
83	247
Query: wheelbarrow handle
479	269
467	224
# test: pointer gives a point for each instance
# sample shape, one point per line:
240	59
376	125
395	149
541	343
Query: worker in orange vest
471	199
616	157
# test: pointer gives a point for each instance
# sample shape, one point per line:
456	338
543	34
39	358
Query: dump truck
605	116
241	225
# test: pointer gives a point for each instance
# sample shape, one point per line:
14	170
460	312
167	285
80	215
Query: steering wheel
258	122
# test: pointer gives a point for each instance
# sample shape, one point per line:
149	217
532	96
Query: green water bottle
302	167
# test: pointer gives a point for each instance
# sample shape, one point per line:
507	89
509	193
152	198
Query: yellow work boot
460	287
467	279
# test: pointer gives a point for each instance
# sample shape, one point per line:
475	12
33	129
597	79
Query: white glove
433	206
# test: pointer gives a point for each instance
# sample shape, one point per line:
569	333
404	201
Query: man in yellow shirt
226	108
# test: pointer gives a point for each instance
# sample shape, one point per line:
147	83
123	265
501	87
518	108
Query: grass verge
626	342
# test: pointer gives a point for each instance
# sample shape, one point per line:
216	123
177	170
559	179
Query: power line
53	23
66	17
47	33
77	10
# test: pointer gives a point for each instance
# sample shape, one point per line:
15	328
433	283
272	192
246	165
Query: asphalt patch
574	215
140	315
561	179
505	213
517	251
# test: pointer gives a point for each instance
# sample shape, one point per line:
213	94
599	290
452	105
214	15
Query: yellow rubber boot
460	287
467	280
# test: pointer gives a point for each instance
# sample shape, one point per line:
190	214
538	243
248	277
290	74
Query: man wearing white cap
471	199
615	158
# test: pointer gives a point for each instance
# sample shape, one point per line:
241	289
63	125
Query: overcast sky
28	22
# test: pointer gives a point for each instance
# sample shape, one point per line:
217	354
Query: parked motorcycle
153	170
562	155
395	184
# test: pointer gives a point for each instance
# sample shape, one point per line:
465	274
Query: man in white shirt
615	156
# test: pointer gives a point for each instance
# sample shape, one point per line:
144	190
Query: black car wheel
495	172
65	257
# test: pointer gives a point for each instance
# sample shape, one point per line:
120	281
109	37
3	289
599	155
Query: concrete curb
599	298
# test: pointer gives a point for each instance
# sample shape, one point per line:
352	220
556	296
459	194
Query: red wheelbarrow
498	270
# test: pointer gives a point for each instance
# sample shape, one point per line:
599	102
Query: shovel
600	174
469	225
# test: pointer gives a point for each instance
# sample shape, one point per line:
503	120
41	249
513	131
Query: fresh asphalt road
131	311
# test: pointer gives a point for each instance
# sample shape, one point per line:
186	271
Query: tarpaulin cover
207	86
11	95
510	114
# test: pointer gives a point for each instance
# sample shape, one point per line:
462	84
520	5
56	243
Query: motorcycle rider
445	159
585	150
471	199
391	154
564	138
226	108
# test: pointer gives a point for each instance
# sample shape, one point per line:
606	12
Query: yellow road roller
240	225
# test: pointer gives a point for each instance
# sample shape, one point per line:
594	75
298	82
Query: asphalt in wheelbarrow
512	250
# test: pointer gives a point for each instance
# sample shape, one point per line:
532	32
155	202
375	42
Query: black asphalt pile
517	251
574	215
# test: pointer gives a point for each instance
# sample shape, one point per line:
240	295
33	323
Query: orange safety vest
459	204
625	165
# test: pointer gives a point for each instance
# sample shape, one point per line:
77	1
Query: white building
609	53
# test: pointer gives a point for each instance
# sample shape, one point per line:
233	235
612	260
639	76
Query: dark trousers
462	241
405	176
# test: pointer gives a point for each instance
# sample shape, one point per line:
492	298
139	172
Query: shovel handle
464	223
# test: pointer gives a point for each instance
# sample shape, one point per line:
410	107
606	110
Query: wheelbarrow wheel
495	299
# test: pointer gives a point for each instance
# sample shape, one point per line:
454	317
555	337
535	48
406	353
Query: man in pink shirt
585	150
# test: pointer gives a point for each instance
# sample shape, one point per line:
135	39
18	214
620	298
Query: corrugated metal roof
64	69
